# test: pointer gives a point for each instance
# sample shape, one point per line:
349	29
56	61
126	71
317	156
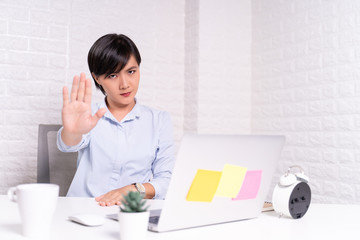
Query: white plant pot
133	226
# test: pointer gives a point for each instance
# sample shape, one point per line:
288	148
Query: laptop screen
219	178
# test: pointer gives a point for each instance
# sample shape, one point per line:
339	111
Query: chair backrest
54	166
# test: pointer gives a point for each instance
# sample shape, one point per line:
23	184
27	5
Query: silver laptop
218	179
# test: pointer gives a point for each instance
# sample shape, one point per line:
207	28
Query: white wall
224	97
261	66
305	84
43	43
217	61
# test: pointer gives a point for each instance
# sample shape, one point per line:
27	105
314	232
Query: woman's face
121	87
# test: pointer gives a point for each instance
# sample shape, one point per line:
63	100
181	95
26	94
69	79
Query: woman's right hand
76	112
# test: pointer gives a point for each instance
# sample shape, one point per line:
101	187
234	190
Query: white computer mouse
90	220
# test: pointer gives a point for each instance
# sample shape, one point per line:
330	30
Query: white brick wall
261	66
191	91
224	61
44	43
217	61
305	76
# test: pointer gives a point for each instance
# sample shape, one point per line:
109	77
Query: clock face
300	199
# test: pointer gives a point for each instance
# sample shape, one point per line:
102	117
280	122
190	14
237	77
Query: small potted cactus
133	202
133	217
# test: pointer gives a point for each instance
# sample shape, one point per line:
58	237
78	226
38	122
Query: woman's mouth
126	94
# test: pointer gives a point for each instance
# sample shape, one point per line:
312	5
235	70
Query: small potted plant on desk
133	217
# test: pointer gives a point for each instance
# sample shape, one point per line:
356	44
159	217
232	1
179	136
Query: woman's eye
131	72
112	76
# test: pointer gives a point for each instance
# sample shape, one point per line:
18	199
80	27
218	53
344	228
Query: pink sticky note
251	185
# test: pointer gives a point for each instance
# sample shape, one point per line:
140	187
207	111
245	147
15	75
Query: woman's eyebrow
131	68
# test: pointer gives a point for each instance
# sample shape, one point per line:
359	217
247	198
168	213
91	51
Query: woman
122	145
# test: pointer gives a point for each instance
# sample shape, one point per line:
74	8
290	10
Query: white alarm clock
292	195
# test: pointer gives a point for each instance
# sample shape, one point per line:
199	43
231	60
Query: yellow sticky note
204	186
231	181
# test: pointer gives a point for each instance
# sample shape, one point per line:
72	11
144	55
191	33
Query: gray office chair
54	166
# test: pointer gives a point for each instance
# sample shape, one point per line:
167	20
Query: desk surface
321	222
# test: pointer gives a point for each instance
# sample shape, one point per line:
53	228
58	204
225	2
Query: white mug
37	204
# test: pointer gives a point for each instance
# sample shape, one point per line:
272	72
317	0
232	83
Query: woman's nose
123	84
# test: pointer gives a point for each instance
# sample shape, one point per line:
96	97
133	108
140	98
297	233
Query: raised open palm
76	113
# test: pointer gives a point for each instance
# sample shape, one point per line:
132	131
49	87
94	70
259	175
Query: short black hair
109	54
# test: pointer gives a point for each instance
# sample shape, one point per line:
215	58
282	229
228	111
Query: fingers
65	96
99	114
74	88
81	90
106	202
111	198
101	201
98	198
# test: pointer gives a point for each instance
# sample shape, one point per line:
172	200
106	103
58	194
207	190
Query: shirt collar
132	115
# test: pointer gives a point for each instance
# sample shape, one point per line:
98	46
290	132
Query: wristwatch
140	188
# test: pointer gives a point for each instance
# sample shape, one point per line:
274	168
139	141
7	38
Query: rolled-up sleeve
165	157
65	148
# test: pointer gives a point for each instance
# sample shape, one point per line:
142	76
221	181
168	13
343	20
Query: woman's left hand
115	196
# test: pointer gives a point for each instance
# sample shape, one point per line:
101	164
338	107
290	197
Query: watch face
140	188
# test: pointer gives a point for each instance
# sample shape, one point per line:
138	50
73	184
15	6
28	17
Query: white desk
321	222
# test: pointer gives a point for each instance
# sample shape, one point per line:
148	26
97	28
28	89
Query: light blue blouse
114	154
